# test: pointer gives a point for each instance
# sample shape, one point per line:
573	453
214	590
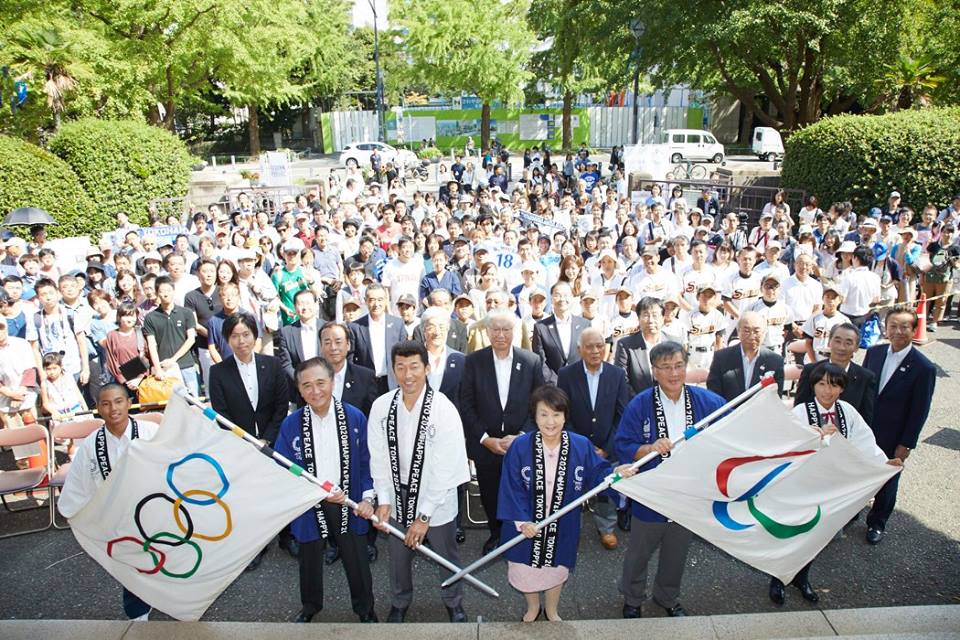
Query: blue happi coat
638	427
305	528
585	470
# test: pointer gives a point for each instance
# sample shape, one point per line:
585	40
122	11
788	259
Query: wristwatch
425	519
371	500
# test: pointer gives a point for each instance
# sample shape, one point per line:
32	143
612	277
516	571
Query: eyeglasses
671	368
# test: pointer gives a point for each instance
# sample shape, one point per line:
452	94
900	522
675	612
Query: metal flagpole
327	486
610	480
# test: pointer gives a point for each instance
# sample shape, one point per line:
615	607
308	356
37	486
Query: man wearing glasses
652	421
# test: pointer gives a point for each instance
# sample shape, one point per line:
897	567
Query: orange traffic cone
920	335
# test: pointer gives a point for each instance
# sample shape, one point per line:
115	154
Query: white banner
182	515
762	486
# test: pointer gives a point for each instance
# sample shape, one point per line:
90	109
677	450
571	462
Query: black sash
408	512
310	464
814	417
661	417
543	552
103	456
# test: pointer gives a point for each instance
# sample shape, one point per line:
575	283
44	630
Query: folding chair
150	416
74	430
22	480
473	491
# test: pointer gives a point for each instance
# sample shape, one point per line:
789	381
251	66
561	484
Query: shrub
123	164
429	153
863	158
30	176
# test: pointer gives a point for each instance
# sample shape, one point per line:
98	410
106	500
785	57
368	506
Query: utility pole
381	123
637	28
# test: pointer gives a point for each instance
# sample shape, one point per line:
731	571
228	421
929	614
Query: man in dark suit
861	389
906	380
250	390
457	333
598	395
736	368
632	352
371	351
299	341
494	406
353	385
446	365
555	337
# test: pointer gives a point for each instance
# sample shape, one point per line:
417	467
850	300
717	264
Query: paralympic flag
182	515
761	485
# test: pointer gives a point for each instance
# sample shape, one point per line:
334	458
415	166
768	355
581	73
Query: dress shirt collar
589	373
898	356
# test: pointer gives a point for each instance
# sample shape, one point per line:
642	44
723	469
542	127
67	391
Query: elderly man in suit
861	389
906	383
741	366
299	341
494	406
555	337
457	333
598	395
477	336
249	389
632	352
373	336
446	365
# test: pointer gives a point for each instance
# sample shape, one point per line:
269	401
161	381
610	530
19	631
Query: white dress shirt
326	446
565	330
675	414
437	368
378	335
593	383
748	366
248	374
339	378
84	477
503	368
893	360
445	461
310	339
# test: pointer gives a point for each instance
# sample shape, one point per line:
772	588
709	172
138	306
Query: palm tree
46	51
909	81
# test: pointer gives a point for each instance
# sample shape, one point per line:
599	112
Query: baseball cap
887	219
706	287
874	212
909	230
766	215
406	299
650	250
774	244
152	255
626	290
869	222
831	285
293	244
96	264
245	254
530	265
894	194
804	228
538	293
847	246
355	265
287	199
93	251
770	274
463	298
589	294
352	302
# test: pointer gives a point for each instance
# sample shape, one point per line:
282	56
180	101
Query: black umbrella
27	216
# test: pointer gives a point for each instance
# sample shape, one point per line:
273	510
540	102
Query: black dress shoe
777	593
632	612
457	614
461	536
676	611
808	593
874	535
492	543
623	519
303	616
370	617
396	614
331	555
372	553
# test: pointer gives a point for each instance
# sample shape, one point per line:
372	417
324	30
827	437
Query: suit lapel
299	341
902	371
516	370
235	371
555	333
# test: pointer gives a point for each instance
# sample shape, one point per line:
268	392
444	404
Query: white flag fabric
761	485
181	515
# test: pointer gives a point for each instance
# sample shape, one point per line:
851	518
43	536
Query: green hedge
123	164
30	176
863	158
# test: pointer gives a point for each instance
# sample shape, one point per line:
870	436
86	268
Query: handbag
870	331
138	365
154	390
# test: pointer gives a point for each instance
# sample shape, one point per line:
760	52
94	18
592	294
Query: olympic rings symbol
777	529
181	516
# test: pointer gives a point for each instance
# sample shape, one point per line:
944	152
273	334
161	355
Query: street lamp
381	123
637	28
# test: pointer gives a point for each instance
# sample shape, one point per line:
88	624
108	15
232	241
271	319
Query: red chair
150	416
22	480
74	430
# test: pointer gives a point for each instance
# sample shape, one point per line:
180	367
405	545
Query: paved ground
46	575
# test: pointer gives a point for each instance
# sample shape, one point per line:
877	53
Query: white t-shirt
703	328
660	285
740	291
691	280
776	315
801	297
818	328
859	287
402	278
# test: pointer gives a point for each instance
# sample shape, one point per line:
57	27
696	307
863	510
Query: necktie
829	417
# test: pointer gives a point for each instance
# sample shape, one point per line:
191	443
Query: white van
767	144
693	144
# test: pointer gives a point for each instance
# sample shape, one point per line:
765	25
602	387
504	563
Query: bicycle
688	170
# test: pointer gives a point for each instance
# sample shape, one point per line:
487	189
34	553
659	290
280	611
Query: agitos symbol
774	528
182	518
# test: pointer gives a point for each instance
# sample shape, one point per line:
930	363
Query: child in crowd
60	396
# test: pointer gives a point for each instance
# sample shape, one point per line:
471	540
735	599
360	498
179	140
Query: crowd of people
524	333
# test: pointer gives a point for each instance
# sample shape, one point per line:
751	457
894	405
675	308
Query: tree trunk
169	104
567	133
485	126
320	129
253	129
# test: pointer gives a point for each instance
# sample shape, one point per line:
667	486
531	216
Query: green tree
474	46
788	62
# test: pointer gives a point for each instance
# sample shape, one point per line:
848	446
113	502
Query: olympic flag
181	515
762	486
